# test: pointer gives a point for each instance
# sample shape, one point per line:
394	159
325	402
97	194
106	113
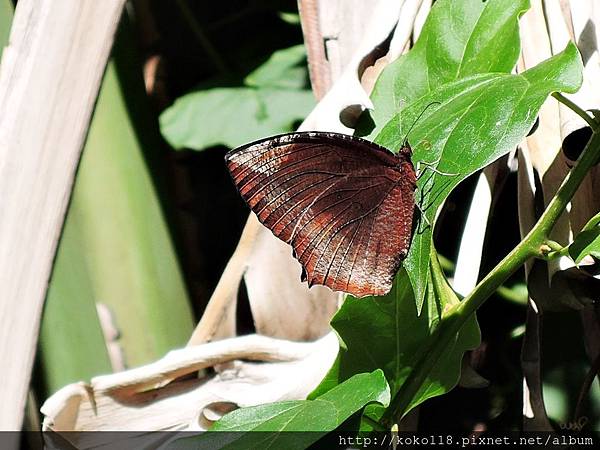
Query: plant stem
529	247
584	115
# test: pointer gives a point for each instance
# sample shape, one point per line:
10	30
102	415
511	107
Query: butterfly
343	203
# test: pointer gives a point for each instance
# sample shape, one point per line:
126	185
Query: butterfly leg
422	216
432	167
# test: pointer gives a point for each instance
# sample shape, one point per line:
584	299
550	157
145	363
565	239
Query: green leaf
71	343
272	98
284	69
459	60
479	119
587	242
459	39
439	283
314	418
386	332
291	18
232	116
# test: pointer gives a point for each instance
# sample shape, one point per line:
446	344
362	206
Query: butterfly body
344	204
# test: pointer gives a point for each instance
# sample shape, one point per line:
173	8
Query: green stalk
531	246
585	116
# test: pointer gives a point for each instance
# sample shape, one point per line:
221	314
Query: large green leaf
233	116
479	119
459	39
387	333
71	344
128	247
313	418
272	98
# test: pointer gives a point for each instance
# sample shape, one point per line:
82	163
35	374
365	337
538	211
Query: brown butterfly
344	204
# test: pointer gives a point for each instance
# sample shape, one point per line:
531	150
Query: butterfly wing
344	204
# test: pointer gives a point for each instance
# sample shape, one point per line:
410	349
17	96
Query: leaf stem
530	246
556	252
584	115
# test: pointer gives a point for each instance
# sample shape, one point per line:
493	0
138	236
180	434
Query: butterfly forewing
345	205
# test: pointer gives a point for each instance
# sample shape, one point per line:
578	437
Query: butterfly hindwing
344	204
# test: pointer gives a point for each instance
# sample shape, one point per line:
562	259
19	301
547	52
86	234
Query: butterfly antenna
404	141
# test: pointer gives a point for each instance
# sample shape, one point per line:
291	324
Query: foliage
587	242
480	118
271	99
473	111
313	417
386	332
455	95
458	40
